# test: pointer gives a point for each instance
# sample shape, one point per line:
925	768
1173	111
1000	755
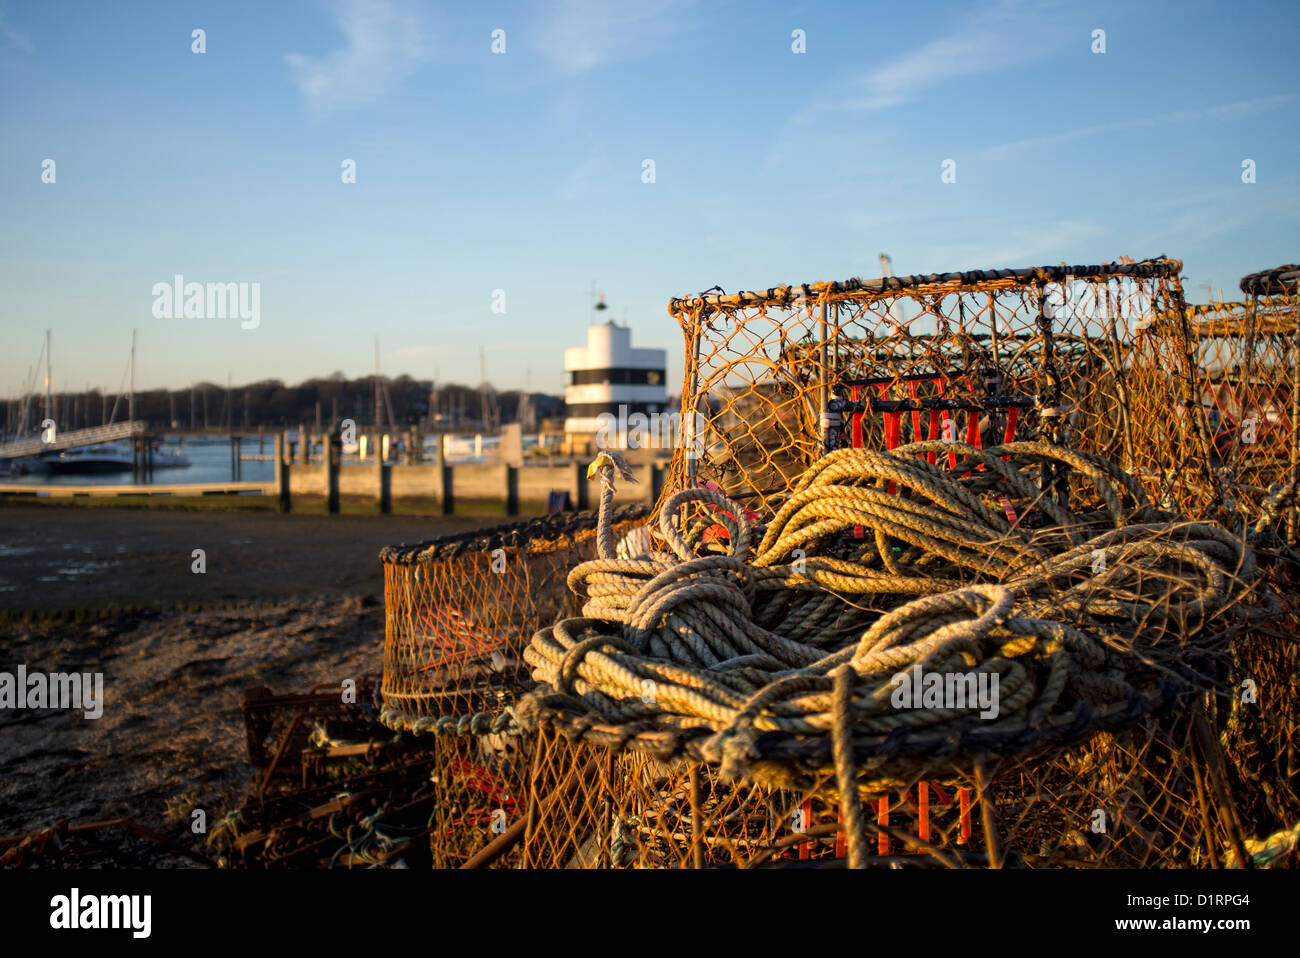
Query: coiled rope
740	653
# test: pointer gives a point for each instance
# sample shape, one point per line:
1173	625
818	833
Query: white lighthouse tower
609	376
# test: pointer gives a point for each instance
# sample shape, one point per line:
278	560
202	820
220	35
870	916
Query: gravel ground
69	558
286	602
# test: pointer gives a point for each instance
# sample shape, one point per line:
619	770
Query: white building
608	374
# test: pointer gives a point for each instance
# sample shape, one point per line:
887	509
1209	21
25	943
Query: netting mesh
480	783
459	610
1246	357
1249	358
1066	354
600	809
1137	799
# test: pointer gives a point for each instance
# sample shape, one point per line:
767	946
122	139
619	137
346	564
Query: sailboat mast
49	376
130	405
378	420
482	389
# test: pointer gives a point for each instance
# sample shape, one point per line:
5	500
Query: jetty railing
21	448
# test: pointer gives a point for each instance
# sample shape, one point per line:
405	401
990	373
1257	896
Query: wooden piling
512	491
383	487
582	499
444	476
333	458
281	473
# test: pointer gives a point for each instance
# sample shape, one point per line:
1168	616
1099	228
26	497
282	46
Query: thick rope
744	640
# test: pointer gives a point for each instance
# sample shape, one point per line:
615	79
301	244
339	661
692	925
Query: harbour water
209	461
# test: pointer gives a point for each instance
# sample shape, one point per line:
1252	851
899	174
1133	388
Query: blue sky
522	171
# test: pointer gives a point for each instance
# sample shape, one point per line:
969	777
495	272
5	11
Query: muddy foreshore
286	602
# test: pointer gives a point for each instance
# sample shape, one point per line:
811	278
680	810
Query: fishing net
334	788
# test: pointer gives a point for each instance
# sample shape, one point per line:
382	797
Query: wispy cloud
581	35
1200	219
1000	37
385	44
1053	139
12	36
1256	105
1239	108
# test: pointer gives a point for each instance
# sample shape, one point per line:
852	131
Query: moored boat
87	460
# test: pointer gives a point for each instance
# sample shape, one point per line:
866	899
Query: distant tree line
400	402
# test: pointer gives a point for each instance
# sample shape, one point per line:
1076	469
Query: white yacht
88	460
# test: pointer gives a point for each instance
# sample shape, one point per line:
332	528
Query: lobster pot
1248	356
597	807
460	609
480	783
1133	799
1066	354
1247	360
784	723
